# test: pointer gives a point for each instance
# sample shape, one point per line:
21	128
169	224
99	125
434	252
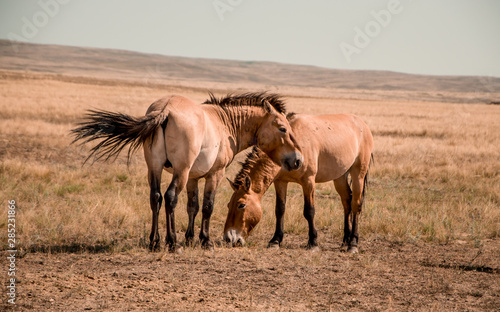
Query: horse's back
330	143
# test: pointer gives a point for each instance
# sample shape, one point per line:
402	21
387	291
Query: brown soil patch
384	276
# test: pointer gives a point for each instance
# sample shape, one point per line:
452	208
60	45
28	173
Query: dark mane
248	99
247	165
266	170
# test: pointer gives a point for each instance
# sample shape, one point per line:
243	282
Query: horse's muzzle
234	238
292	161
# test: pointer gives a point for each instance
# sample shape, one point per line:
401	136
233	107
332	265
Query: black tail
116	131
365	184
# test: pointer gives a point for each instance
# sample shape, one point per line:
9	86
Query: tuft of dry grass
435	178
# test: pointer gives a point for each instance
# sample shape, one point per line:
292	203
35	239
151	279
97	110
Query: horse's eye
283	130
242	206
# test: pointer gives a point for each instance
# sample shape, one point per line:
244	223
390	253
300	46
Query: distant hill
107	63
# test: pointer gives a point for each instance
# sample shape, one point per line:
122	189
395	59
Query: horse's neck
262	174
242	123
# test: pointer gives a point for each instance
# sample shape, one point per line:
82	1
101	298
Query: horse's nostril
239	243
227	236
298	163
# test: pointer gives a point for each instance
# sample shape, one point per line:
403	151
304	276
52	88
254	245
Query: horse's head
244	213
276	139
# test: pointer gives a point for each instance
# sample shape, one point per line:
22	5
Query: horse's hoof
273	245
208	245
172	247
153	247
353	250
189	242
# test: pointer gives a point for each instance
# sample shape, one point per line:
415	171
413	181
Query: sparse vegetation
429	229
435	178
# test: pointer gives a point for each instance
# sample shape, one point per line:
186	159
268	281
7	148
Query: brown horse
193	141
333	146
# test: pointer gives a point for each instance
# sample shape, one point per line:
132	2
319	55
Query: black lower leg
192	208
170	203
280	214
347	230
309	212
347	222
353	240
208	208
155	201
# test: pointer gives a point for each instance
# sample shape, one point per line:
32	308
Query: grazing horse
333	146
193	141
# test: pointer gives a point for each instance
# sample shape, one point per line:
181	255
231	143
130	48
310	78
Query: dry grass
435	178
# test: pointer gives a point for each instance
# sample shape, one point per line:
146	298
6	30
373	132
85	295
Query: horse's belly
331	167
204	162
327	175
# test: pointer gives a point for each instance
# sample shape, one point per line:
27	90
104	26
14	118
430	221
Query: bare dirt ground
385	276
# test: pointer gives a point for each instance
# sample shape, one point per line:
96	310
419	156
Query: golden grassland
435	178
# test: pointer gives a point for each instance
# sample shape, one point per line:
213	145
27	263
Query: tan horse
333	146
193	141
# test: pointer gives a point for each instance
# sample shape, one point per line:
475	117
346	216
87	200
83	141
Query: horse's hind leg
358	174
342	187
156	157
192	208
155	200
177	184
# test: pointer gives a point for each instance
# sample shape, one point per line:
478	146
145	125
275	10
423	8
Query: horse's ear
233	185
269	108
248	183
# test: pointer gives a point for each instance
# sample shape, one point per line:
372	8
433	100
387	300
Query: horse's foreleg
192	208
308	188
342	187
211	183
171	196
155	200
281	188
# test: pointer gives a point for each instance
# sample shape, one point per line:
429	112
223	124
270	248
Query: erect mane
247	165
248	99
267	169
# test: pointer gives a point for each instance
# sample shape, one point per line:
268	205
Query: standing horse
193	141
333	146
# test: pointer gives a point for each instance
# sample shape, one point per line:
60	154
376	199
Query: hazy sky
445	37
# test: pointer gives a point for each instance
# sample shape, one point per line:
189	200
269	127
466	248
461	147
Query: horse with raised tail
193	141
